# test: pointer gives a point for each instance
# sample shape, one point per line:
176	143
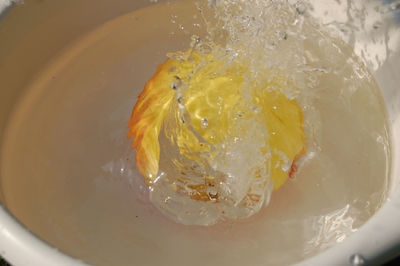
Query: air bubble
195	41
176	83
204	123
195	38
285	168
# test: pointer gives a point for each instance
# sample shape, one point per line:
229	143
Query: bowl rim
377	241
19	246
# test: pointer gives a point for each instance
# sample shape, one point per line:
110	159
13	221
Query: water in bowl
70	175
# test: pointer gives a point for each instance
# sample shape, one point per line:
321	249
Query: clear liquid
70	175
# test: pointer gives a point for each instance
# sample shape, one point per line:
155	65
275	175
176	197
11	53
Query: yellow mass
207	100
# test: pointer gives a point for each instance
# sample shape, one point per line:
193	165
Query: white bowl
375	242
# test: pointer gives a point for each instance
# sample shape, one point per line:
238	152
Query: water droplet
357	259
195	41
204	123
167	199
195	38
394	6
285	168
212	192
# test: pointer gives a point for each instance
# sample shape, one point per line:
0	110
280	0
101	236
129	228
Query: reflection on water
369	26
334	226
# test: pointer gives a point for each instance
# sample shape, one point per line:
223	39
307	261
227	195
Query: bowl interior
35	32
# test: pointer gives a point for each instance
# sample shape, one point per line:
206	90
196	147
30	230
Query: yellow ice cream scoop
208	104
